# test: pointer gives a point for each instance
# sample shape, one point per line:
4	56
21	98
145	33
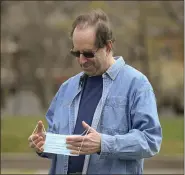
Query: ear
109	46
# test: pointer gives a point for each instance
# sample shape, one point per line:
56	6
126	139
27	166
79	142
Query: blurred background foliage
35	59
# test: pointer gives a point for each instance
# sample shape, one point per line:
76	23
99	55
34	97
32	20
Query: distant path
157	165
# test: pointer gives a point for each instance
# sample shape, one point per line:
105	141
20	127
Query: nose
82	59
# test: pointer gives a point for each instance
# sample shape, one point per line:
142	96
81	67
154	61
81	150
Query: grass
16	130
173	136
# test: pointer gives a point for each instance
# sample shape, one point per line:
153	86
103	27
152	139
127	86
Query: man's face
83	41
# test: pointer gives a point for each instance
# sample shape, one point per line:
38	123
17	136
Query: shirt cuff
107	146
42	154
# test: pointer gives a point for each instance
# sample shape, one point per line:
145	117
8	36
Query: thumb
40	127
87	127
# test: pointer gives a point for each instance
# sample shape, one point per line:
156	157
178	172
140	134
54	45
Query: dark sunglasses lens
88	54
76	54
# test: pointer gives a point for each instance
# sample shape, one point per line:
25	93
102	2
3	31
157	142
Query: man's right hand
37	139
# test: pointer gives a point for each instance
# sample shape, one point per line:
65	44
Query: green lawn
16	130
173	136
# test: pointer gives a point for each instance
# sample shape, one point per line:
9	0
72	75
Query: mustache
85	64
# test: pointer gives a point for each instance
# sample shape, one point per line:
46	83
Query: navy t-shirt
91	95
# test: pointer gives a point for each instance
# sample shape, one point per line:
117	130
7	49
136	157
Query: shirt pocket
114	116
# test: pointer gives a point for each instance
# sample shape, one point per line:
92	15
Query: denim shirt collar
112	70
115	68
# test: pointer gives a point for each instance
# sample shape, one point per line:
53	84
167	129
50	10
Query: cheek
97	64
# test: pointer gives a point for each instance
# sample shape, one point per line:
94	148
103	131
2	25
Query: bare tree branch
167	6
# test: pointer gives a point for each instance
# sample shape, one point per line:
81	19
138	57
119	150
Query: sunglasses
86	54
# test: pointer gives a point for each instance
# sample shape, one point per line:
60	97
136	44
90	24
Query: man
111	99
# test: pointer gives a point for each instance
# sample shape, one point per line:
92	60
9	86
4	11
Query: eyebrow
83	50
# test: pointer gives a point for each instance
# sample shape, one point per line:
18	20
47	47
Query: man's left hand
91	142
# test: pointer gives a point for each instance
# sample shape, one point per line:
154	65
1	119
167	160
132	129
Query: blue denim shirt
126	117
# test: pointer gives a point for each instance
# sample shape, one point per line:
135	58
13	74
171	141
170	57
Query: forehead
84	38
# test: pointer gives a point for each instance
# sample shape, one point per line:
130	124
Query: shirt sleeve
49	118
145	136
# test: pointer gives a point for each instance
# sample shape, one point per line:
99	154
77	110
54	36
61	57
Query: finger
40	145
35	142
33	137
76	144
32	145
79	146
43	135
73	148
84	151
40	127
84	143
74	139
38	140
78	152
